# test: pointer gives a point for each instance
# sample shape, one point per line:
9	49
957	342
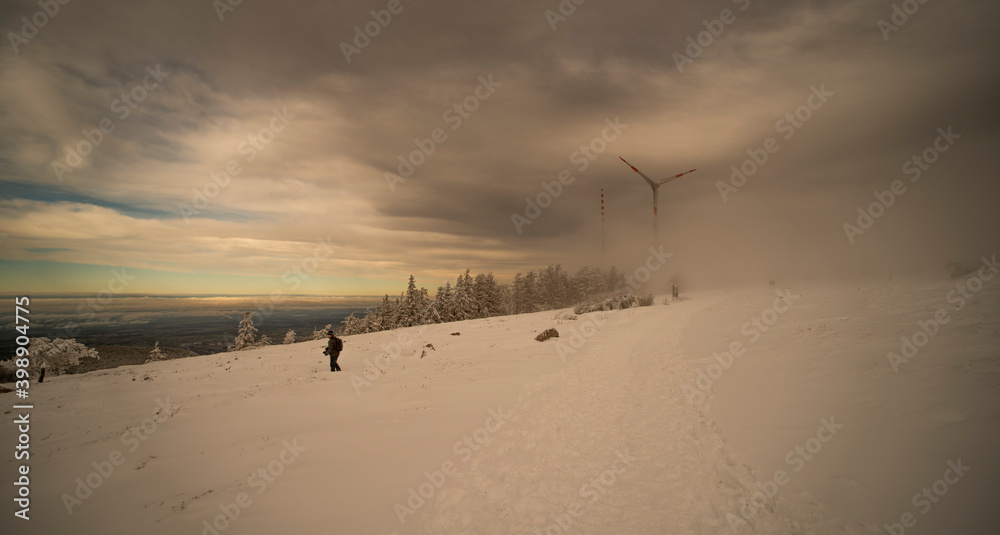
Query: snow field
805	426
831	355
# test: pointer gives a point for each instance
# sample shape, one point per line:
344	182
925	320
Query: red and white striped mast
602	221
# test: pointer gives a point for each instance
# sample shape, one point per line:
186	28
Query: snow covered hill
728	411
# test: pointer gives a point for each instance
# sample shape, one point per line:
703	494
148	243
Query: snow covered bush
56	356
321	333
356	325
613	302
264	341
564	315
289	337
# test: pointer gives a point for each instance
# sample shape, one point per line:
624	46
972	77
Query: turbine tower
655	184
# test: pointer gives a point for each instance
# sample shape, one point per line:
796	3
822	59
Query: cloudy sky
309	116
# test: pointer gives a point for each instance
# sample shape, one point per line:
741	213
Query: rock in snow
546	334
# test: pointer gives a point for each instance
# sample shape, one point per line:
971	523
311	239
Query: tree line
482	296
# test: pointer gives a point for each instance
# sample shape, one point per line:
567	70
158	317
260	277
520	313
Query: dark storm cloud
558	87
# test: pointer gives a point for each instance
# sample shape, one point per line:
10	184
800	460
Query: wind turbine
655	184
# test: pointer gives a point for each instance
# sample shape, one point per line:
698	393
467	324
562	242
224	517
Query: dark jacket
332	346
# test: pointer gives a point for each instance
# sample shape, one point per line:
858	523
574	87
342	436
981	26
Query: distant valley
196	324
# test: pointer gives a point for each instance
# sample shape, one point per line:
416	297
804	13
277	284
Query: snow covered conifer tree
289	337
434	312
442	303
406	305
481	296
497	295
264	341
588	282
353	324
424	312
555	287
472	308
413	307
518	294
532	303
463	304
488	295
505	298
247	334
380	317
452	310
394	316
156	354
368	323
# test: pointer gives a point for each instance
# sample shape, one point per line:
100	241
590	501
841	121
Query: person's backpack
338	344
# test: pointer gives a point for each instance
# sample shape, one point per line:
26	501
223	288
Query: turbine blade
644	177
665	180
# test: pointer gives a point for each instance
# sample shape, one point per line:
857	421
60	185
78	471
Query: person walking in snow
333	348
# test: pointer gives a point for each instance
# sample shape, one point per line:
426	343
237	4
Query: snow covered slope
604	430
904	422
